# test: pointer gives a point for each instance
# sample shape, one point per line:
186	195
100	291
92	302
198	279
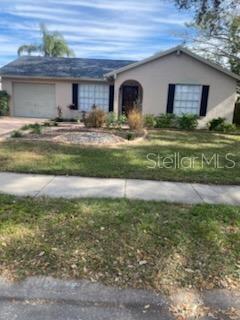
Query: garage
34	100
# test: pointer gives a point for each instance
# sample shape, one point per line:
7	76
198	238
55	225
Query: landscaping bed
76	133
123	243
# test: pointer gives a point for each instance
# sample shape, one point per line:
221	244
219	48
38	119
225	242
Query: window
187	99
93	94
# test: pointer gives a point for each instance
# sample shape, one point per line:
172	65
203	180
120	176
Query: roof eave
10	76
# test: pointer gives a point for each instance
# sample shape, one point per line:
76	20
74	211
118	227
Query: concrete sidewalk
79	187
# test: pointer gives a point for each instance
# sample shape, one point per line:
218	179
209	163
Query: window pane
93	94
187	99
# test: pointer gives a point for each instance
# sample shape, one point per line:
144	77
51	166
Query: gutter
7	76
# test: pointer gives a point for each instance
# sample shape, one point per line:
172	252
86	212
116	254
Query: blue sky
126	29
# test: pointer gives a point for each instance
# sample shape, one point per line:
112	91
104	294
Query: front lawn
130	161
119	242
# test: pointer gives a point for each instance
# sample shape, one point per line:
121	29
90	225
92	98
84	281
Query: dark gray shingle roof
61	67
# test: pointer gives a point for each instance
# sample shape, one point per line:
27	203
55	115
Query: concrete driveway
9	124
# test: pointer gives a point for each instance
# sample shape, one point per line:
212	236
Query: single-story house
175	81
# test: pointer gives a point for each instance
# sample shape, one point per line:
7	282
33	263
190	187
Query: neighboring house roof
45	67
170	51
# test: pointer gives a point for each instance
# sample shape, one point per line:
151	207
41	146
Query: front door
129	98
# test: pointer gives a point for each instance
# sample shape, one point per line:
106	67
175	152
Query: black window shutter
111	98
204	101
170	101
75	95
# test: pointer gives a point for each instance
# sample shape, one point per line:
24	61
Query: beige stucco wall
63	90
155	77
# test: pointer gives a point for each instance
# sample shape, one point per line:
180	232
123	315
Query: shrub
50	123
47	124
122	119
216	123
95	119
228	127
130	136
187	121
4	97
149	121
167	120
36	129
26	127
111	119
54	124
16	134
220	124
135	119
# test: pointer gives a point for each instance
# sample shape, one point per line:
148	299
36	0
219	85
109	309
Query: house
175	81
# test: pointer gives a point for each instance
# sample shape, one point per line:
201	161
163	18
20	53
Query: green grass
128	161
35	128
119	242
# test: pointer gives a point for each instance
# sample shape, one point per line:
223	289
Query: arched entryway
130	96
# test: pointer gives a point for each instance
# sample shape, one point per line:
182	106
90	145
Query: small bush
150	121
37	129
111	119
228	127
16	134
47	124
26	127
220	124
135	119
54	123
4	98
167	120
58	119
187	121
65	120
122	119
130	136
216	124
95	119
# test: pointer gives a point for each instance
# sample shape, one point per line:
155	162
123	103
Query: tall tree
208	12
215	31
53	45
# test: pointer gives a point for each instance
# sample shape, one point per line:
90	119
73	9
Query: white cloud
96	28
123	5
171	20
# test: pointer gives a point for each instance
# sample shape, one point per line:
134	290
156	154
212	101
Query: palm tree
53	45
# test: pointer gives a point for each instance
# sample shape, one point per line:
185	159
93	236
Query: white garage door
34	100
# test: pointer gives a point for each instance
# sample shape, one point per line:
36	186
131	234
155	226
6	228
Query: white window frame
187	99
90	94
